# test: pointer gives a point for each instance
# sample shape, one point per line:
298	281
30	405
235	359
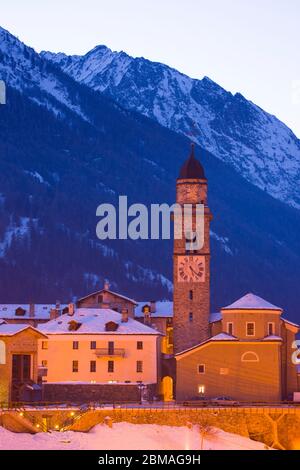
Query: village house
19	363
31	314
98	354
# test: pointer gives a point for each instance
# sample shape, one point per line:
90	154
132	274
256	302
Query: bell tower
191	262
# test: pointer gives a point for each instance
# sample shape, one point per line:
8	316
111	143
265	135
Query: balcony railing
106	352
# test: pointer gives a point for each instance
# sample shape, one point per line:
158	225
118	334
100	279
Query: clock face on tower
191	269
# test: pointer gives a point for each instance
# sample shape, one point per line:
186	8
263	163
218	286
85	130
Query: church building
245	352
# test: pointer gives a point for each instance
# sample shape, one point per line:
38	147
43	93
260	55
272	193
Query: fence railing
24	406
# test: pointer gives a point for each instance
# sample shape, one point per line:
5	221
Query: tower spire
192	168
192	150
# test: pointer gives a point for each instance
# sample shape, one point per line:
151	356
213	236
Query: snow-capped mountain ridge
259	146
23	69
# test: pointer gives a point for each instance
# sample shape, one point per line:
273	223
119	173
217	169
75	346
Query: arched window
2	353
191	295
250	356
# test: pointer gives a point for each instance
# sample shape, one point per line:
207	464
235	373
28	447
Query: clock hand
193	271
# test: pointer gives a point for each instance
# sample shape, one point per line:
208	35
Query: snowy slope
23	69
259	146
126	436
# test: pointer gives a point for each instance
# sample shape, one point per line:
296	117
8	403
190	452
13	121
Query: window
191	295
271	328
139	345
93	345
111	348
110	366
92	366
100	299
250	356
75	345
139	366
170	336
191	316
44	344
201	369
2	353
74	325
230	328
21	367
250	329
75	366
201	389
20	311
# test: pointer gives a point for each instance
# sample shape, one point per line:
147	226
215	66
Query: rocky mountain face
256	144
65	148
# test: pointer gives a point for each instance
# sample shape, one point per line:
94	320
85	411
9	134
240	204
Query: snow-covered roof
110	292
251	302
290	322
272	338
216	316
41	311
223	337
93	321
10	329
163	308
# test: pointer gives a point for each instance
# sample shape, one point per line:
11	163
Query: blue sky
250	46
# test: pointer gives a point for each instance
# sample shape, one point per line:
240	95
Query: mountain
256	144
65	148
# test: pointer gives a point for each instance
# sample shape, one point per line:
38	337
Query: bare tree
205	430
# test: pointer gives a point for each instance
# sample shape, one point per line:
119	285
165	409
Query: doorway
21	373
167	388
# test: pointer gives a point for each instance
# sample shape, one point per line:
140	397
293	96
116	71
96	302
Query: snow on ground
126	436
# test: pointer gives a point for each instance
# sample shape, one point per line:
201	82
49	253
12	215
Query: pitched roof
251	302
10	329
163	308
215	316
41	311
110	292
93	321
272	338
218	337
290	322
223	337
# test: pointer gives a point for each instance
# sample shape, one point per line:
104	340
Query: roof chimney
53	313
106	285
71	309
152	306
147	315
31	310
124	315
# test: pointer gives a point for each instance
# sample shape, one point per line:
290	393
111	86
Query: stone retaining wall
276	427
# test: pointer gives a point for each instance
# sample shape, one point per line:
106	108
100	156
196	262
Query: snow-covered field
125	436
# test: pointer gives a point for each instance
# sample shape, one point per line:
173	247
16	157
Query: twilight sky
250	46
